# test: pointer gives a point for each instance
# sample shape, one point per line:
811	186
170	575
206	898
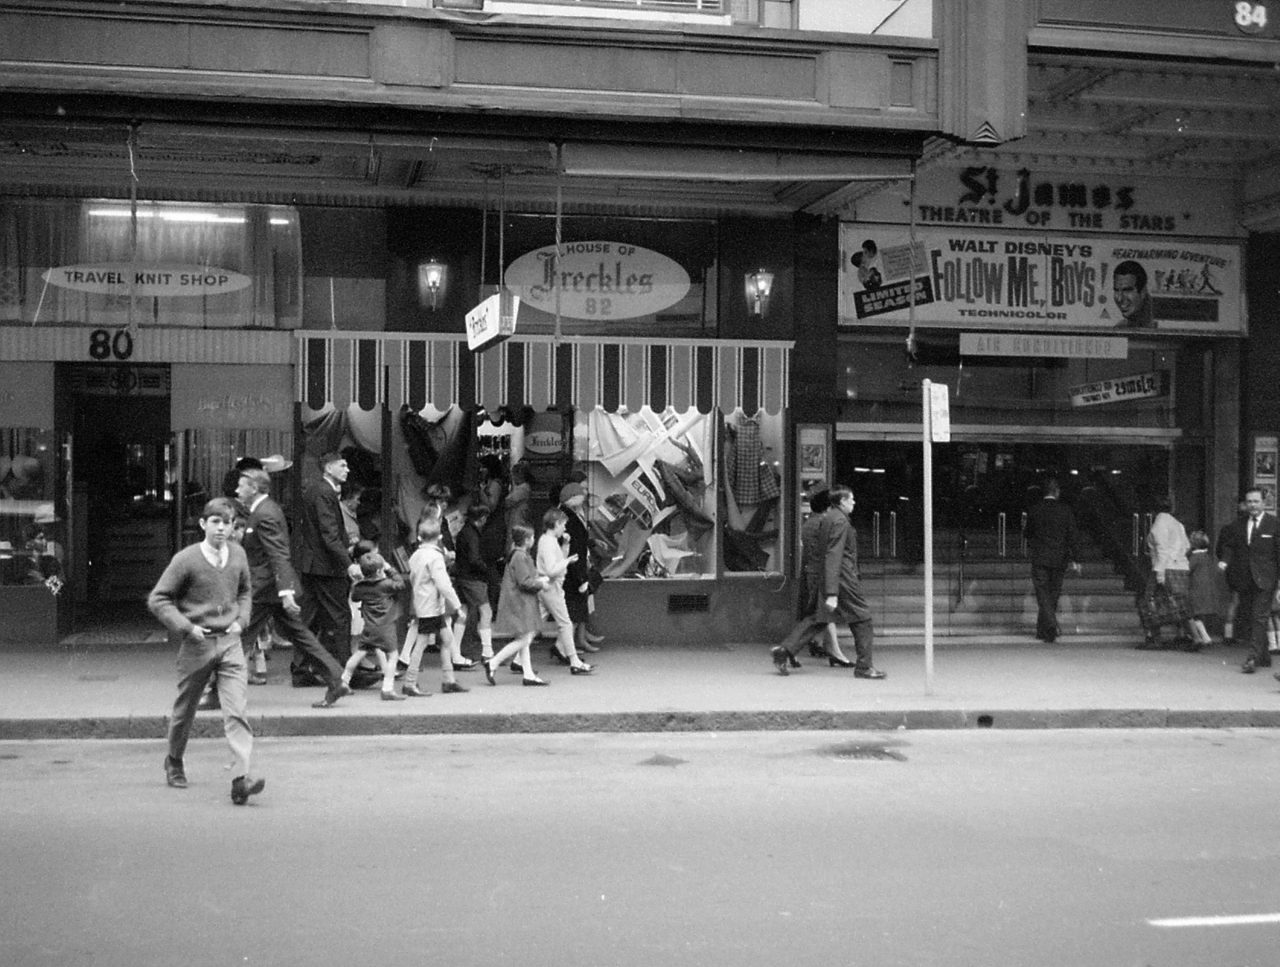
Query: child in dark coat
378	593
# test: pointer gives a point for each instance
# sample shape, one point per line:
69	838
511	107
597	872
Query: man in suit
322	558
839	596
1249	553
275	583
1051	547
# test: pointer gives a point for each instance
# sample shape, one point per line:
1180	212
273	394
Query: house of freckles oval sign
598	280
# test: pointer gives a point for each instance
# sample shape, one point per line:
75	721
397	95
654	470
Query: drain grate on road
863	750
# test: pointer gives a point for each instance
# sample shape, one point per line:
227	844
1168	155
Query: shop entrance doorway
981	492
122	494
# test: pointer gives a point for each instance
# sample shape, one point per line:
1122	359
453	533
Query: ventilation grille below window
688	603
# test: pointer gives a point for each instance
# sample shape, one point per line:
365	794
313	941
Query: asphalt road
1096	847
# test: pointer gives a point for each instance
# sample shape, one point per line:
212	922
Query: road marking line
1236	921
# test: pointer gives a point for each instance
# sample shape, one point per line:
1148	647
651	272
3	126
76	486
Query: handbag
1156	606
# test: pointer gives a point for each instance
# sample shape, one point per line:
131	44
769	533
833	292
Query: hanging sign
1136	387
492	321
146	280
598	280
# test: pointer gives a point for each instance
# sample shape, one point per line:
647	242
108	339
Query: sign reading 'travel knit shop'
146	280
598	280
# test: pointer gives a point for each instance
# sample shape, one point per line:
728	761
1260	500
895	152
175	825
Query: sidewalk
126	692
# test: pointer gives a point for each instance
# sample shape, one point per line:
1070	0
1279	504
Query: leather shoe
780	658
257	678
488	673
391	696
413	691
532	682
332	695
465	665
587	647
242	789
873	673
594	639
174	774
452	688
1249	666
583	669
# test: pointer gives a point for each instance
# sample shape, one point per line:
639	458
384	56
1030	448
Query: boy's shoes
413	691
780	656
242	789
391	696
173	773
452	688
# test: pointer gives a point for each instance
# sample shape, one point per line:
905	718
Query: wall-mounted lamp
432	277
758	286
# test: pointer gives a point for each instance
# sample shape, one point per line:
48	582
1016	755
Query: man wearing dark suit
1249	553
322	558
839	595
275	584
1051	548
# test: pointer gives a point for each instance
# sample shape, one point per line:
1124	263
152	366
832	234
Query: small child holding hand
377	592
1204	592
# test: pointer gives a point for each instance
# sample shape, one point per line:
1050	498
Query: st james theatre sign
599	281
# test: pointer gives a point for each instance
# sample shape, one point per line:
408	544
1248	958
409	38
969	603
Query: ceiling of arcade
1092	114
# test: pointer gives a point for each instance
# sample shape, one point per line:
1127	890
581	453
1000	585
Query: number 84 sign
1250	18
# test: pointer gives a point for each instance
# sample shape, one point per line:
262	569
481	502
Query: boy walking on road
204	598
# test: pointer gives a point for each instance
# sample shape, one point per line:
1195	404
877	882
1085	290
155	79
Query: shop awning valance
370	369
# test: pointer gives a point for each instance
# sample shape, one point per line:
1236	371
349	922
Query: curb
816	720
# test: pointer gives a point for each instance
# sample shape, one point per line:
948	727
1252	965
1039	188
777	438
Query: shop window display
32	548
107	263
652	504
751	493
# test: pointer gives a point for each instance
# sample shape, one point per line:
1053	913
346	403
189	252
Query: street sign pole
927	438
936	429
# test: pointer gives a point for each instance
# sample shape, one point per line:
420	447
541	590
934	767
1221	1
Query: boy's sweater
192	592
433	592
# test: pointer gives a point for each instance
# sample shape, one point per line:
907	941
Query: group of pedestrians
1183	590
224	591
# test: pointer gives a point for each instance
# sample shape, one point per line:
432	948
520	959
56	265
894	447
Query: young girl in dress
519	614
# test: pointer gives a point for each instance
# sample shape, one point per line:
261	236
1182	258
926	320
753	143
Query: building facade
234	229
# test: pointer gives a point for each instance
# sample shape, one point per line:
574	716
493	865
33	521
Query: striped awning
538	371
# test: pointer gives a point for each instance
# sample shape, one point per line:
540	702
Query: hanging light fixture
758	286
432	276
